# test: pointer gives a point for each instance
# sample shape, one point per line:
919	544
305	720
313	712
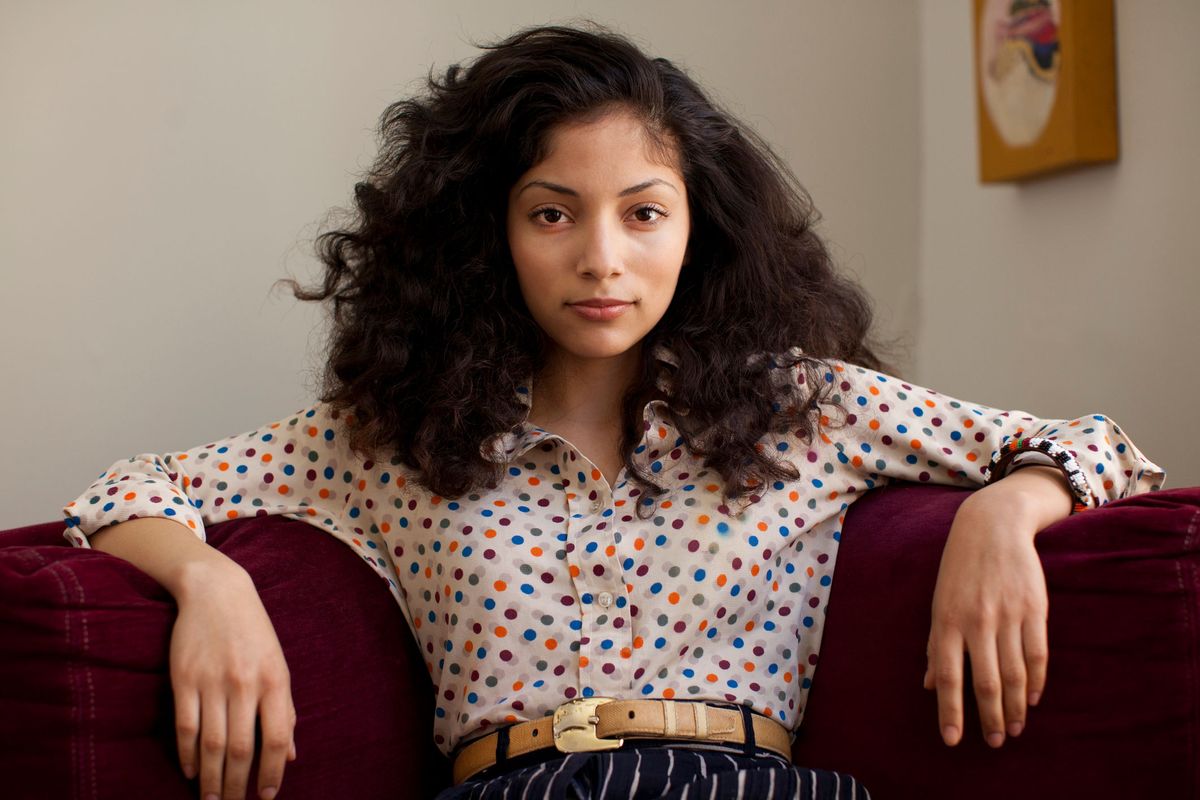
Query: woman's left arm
990	601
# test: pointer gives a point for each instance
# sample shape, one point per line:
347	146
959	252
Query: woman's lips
598	313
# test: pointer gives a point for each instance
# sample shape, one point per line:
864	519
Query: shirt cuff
1017	451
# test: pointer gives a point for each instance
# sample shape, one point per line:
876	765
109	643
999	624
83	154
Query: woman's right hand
227	669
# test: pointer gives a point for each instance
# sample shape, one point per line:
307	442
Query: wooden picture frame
1045	86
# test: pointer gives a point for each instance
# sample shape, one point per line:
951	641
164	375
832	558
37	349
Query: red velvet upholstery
86	709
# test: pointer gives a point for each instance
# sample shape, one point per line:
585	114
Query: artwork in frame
1045	86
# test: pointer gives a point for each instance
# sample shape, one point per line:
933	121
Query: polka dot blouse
551	587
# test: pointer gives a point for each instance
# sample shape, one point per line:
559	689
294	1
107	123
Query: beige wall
1078	293
163	163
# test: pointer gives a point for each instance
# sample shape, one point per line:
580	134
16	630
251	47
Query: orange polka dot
787	677
501	631
626	652
284	488
930	404
499	586
267	457
130	495
536	552
583	661
610	551
711	678
518	686
793	496
453	547
972	456
223	466
595	474
703	625
873	390
702	519
722	579
490	533
384	527
833	495
665	504
231	514
638	642
574	570
324	493
312	512
856	461
748	666
968	423
311	431
638	544
668	693
755	569
551	644
873	424
673	598
749	626
535	481
915	444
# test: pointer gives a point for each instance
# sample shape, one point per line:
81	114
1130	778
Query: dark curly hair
431	337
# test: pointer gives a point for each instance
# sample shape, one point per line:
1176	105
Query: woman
595	404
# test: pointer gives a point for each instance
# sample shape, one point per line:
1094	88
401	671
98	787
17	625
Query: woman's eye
649	214
549	215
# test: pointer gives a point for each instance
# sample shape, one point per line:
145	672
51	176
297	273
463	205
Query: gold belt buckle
575	726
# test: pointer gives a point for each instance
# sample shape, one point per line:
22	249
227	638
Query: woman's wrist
1037	494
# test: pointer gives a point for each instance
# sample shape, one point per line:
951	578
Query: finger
927	681
985	674
187	729
243	709
947	677
1012	677
212	744
1037	657
278	719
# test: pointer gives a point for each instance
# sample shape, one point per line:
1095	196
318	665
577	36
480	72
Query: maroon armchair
86	709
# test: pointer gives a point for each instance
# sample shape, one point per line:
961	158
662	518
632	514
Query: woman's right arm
227	667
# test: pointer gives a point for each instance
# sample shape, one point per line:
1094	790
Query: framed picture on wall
1045	86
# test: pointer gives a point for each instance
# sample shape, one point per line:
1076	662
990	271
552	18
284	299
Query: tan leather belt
599	723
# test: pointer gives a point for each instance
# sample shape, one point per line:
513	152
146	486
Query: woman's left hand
990	601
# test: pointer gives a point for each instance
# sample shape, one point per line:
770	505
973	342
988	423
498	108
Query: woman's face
598	232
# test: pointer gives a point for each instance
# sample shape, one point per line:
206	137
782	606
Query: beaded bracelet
1014	446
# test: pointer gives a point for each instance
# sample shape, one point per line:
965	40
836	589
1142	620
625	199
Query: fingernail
1015	728
995	739
189	771
267	793
950	733
211	796
1034	697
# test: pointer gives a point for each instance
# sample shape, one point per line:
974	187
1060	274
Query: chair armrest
85	686
1120	716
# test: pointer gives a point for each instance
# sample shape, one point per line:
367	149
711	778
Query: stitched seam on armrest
1189	597
83	764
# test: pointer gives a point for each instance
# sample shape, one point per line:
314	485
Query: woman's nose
601	256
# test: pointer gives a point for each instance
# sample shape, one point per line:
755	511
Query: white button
605	599
596	506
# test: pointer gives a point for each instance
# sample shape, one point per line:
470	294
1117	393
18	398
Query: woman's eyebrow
558	187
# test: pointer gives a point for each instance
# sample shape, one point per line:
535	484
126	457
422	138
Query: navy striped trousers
674	773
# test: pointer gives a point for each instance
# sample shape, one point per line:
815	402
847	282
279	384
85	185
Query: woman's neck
574	392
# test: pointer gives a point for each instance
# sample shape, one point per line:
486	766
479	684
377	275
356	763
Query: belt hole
631	715
535	733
